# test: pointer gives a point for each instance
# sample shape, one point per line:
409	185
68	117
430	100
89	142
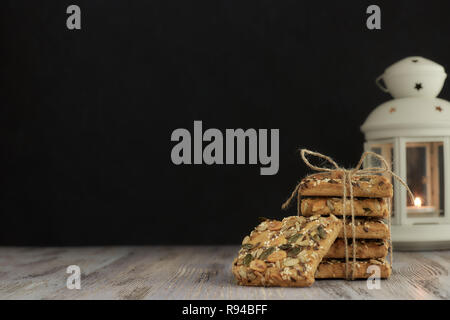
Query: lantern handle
377	82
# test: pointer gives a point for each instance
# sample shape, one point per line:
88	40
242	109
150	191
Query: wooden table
158	272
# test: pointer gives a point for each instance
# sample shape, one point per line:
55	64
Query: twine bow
347	175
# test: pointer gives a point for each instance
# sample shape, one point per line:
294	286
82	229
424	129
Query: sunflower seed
289	233
303	243
262	227
289	262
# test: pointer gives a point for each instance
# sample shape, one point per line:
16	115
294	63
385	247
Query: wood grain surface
189	272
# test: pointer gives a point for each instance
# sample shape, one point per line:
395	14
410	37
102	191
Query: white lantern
412	132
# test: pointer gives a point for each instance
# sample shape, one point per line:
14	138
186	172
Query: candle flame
417	202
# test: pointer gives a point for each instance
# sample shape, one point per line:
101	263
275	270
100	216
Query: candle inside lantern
418	210
417	202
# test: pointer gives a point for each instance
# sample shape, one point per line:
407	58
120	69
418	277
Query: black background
86	116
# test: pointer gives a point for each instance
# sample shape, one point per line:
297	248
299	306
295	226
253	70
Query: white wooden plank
189	272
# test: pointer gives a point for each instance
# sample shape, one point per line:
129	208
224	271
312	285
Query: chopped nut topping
258	265
277	255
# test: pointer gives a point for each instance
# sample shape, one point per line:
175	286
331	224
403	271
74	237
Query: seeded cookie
365	249
363	207
285	253
335	269
367	228
330	184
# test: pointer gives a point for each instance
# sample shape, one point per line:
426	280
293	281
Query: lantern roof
408	117
413	65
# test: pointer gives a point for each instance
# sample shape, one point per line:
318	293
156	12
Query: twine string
344	218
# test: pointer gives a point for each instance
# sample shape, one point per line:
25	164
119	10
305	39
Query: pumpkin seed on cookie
266	253
285	246
321	232
293	252
247	259
294	238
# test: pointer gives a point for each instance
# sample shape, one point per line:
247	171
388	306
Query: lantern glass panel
386	150
425	177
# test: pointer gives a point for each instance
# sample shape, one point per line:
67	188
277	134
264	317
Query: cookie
335	269
285	253
367	228
363	207
365	249
330	184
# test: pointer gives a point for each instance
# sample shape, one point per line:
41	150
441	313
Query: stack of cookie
321	194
